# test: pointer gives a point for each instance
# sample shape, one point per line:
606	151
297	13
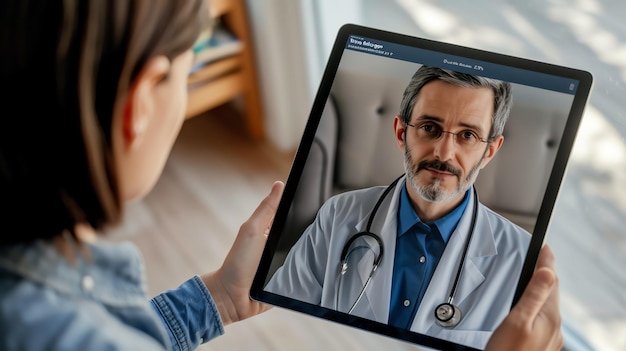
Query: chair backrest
367	153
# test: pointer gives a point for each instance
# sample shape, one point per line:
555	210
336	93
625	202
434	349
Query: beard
434	192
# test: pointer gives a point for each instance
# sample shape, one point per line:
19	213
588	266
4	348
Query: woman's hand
230	285
535	321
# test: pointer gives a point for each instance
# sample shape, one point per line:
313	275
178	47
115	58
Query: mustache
440	166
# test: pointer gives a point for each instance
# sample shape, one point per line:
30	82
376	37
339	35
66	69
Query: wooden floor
212	182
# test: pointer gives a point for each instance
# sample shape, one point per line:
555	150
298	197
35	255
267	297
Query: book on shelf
215	43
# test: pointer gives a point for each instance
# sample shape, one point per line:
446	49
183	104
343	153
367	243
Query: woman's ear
141	100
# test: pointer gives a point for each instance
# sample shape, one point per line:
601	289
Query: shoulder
504	228
360	197
35	318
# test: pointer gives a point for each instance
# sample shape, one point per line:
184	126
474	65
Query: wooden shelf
221	81
215	70
221	90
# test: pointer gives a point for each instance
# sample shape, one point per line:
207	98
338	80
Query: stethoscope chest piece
447	315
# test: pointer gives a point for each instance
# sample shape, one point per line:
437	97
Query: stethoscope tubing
455	285
346	247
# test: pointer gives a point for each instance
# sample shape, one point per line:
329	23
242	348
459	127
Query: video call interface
354	149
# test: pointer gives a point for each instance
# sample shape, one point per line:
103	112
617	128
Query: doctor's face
446	142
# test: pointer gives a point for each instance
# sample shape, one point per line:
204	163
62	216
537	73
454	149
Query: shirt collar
407	217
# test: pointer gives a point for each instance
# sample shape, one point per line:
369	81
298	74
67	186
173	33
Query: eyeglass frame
454	135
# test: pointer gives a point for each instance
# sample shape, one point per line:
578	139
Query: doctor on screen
422	253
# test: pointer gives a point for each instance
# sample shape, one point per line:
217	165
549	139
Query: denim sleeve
189	314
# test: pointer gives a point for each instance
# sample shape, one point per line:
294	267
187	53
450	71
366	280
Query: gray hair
502	92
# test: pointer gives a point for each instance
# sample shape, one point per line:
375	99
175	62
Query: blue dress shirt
419	247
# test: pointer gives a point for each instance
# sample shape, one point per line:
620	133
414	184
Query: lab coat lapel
378	293
482	244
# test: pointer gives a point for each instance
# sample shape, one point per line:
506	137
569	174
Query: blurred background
216	175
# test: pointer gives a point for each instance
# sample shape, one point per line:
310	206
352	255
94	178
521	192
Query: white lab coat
487	284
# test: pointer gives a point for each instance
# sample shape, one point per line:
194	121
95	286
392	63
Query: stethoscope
447	314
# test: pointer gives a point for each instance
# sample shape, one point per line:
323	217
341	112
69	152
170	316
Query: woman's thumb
537	293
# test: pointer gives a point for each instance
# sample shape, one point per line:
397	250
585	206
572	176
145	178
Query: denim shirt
97	301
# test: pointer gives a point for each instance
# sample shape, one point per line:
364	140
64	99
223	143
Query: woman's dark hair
66	68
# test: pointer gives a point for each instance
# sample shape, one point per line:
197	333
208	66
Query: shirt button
87	283
407	303
422	259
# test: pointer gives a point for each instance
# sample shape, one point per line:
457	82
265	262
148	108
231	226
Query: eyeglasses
429	132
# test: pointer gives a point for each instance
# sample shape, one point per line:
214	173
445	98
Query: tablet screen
422	188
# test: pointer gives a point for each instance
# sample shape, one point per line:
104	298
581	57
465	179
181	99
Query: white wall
292	45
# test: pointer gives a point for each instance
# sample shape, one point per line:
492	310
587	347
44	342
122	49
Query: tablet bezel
543	219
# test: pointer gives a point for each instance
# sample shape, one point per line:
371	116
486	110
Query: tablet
422	189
